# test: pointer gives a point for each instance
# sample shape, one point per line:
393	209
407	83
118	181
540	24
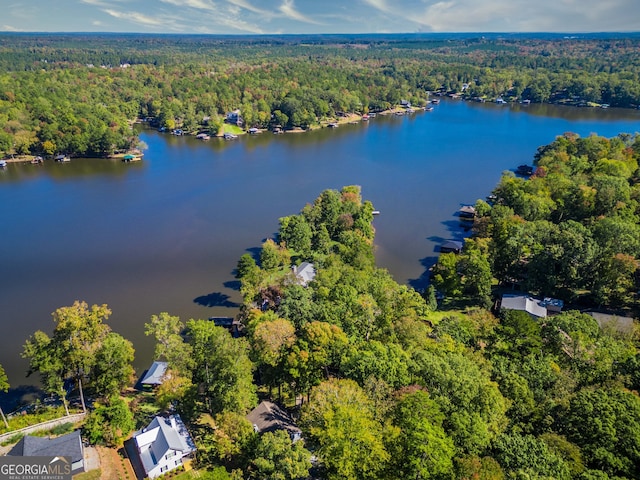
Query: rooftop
155	374
524	303
268	417
69	445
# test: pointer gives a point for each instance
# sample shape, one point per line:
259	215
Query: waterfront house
269	417
155	375
234	118
164	445
69	445
451	246
232	324
553	305
467	211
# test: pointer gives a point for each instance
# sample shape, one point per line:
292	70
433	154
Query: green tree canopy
340	421
275	457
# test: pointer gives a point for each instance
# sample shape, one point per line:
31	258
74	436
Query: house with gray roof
163	445
155	375
269	417
467	212
451	246
526	303
304	273
69	445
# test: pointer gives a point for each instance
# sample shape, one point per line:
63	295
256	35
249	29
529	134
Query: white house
304	273
163	445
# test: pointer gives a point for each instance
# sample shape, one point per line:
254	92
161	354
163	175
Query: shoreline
137	156
351	118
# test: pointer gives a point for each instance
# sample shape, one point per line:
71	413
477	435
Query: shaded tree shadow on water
458	228
216	299
20	395
459	231
255	252
232	284
421	283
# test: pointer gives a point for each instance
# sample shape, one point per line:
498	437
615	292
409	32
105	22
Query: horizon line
479	32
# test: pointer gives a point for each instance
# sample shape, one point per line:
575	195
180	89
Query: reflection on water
165	234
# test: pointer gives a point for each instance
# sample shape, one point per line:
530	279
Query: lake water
165	234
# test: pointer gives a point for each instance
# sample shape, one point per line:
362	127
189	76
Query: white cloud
139	18
252	8
382	5
520	15
288	9
226	21
9	28
197	4
326	16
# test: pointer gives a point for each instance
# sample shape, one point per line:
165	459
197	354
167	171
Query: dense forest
571	230
78	94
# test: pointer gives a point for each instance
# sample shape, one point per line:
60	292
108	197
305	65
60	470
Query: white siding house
163	445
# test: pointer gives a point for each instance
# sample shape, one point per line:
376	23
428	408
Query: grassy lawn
143	404
41	415
437	316
234	129
90	475
187	475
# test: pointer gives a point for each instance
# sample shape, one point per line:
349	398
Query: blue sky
319	16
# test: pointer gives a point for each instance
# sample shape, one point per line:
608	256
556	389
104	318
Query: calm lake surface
165	234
